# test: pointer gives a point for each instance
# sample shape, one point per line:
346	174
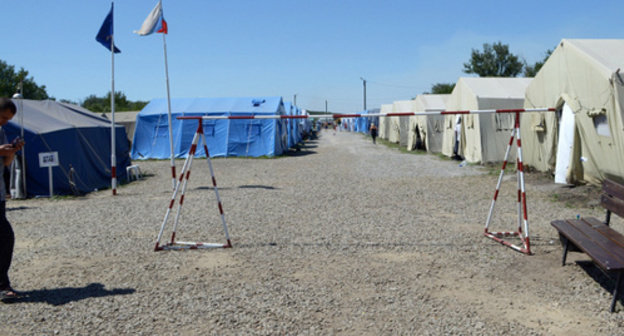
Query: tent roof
126	116
606	54
432	101
265	105
44	116
496	87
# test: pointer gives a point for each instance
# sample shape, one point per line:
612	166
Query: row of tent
82	141
224	137
582	141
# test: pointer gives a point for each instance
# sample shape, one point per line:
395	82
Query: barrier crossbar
372	115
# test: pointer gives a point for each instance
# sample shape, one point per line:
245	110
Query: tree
442	88
494	61
9	83
532	70
94	103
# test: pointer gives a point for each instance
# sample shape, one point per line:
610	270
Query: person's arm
7	151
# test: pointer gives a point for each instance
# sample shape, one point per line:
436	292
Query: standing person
373	132
7	238
458	121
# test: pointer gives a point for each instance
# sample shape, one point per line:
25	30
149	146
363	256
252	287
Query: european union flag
105	35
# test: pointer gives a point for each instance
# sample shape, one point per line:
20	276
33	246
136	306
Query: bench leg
565	251
616	291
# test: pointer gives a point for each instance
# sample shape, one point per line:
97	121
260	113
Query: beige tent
398	125
584	140
127	119
425	132
384	122
484	137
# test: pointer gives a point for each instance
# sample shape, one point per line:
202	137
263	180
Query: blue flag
105	35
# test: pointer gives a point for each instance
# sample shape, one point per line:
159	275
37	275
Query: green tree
94	103
494	61
10	79
532	70
442	88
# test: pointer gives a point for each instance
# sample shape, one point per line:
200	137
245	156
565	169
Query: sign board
48	159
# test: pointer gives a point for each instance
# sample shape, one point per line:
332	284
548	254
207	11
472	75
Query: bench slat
614	204
615	236
593	243
613	188
606	237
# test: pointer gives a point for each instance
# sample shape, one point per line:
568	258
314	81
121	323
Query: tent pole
173	169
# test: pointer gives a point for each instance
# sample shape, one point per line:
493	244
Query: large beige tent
384	122
425	132
398	125
484	137
584	140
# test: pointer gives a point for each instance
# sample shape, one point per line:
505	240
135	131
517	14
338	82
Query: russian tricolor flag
154	23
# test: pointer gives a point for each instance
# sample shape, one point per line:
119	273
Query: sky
317	50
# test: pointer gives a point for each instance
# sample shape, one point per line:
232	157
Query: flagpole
113	148
173	168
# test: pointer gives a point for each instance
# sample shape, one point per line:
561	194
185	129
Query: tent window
504	122
602	125
209	127
162	131
255	130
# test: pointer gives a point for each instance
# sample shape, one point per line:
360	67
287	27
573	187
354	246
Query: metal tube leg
500	180
616	291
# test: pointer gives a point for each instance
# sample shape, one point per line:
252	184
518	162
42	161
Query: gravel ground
344	237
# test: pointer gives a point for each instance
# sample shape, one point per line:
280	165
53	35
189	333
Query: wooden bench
594	237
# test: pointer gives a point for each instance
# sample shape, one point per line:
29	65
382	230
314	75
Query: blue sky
315	49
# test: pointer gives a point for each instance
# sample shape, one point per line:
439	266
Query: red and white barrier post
185	175
522	208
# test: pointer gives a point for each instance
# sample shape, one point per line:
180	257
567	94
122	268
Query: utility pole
364	82
325	106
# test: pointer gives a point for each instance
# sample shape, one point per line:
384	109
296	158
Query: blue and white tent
294	126
82	140
362	124
225	137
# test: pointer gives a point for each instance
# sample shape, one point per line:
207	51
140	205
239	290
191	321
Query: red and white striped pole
214	186
383	115
189	158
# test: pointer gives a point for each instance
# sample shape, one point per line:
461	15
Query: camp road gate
521	231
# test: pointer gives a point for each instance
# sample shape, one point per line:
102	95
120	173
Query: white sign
49	159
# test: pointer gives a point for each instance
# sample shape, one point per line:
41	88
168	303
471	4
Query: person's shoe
8	294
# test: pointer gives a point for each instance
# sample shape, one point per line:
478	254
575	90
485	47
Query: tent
425	132
82	140
484	137
584	140
127	119
384	122
225	137
294	128
399	125
362	124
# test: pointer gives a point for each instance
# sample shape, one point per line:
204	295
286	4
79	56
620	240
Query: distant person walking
7	238
373	132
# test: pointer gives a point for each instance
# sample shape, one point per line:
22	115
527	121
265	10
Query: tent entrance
565	144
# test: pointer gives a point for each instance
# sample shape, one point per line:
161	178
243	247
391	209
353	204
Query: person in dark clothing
7	238
373	132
